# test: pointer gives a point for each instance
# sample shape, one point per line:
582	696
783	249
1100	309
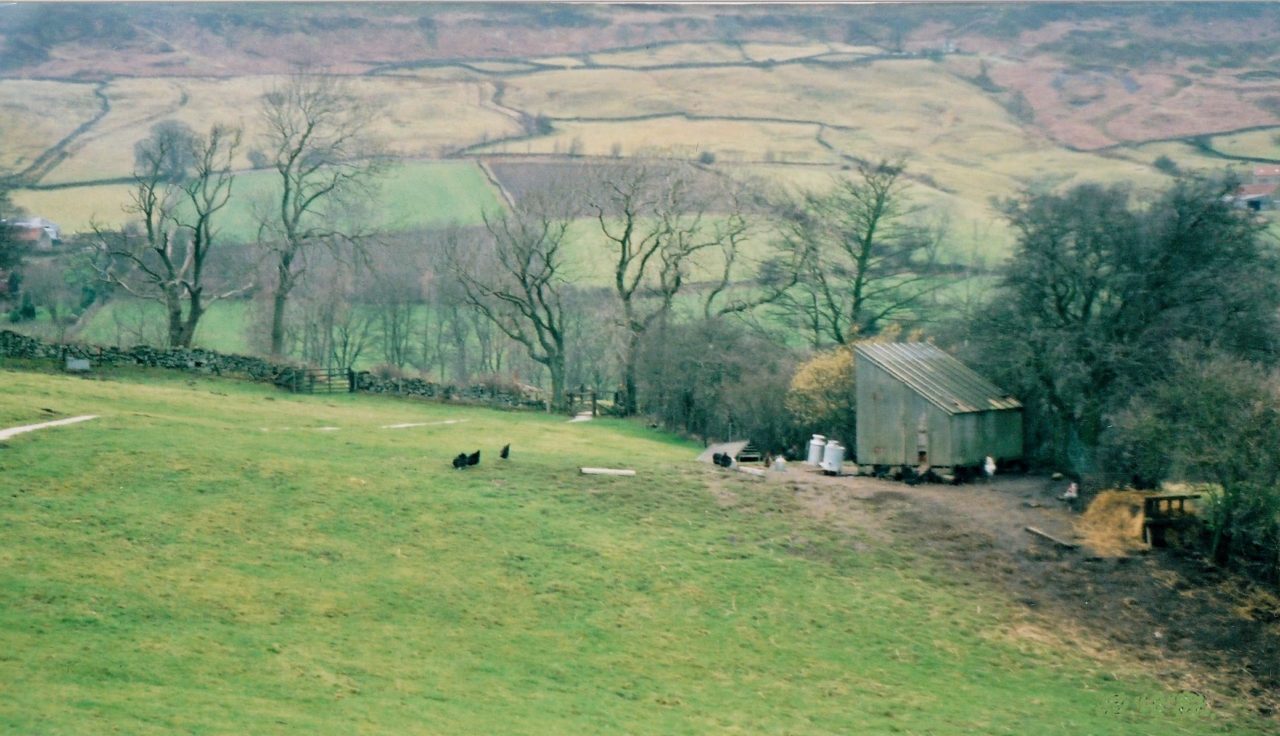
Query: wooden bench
1160	513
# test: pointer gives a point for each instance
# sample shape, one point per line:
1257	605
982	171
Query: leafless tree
864	255
393	298
656	222
733	292
165	253
517	279
317	141
337	331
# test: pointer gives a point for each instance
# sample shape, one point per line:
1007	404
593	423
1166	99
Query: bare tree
394	297
337	330
772	277
317	141
864	257
164	255
517	279
655	222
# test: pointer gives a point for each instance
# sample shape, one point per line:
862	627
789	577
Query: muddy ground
1200	628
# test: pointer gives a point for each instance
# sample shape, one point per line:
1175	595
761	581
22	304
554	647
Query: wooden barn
918	406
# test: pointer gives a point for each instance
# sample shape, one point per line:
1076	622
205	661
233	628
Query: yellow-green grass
877	96
671	53
106	150
783	51
76	209
679	137
566	62
412	194
1254	144
416	117
207	557
224	328
35	114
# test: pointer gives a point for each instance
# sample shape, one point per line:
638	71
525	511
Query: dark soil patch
1200	628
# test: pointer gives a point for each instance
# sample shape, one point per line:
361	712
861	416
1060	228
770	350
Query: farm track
57	153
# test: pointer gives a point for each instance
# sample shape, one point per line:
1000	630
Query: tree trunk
278	301
629	402
556	367
195	310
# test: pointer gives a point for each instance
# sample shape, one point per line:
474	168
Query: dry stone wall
15	345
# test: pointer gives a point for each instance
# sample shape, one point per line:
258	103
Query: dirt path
1199	628
11	431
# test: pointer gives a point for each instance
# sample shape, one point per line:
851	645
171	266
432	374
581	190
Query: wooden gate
320	381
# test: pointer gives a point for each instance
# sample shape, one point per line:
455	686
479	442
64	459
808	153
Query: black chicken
474	458
506	452
460	461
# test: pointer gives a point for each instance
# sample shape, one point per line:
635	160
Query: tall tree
518	279
1100	288
1213	419
10	248
165	253
317	140
863	255
655	222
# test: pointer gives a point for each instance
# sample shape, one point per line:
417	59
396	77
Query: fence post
594	412
351	381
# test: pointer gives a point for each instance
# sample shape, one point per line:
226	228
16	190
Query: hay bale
1112	525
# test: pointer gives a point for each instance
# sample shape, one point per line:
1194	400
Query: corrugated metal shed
941	379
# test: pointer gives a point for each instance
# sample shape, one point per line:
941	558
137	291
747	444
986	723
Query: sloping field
35	114
1254	144
418	118
213	556
678	137
413	194
672	53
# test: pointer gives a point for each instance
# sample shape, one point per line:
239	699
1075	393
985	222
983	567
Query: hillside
983	101
215	556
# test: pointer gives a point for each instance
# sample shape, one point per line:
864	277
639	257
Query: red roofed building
1255	196
1267	175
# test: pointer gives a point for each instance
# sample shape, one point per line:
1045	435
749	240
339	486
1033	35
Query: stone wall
14	345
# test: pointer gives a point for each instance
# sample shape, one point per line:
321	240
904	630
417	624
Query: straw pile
1112	525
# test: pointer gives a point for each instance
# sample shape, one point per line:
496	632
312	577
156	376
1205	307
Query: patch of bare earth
1199	628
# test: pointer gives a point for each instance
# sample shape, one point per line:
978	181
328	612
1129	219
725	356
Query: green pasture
410	194
218	557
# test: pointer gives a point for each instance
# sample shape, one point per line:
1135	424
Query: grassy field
127	322
35	113
671	53
679	137
212	557
958	140
413	194
420	117
1254	144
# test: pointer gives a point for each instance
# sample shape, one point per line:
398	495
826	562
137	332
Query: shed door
922	440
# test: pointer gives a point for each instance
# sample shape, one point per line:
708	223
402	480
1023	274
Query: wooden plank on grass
1045	535
606	471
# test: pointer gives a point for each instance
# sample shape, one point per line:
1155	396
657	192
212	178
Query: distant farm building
1255	197
918	406
36	232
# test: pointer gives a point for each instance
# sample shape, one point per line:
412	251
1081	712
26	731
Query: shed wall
994	433
890	417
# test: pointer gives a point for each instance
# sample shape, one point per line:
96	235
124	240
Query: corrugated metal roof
941	379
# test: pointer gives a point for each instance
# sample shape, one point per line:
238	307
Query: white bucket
816	446
833	458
